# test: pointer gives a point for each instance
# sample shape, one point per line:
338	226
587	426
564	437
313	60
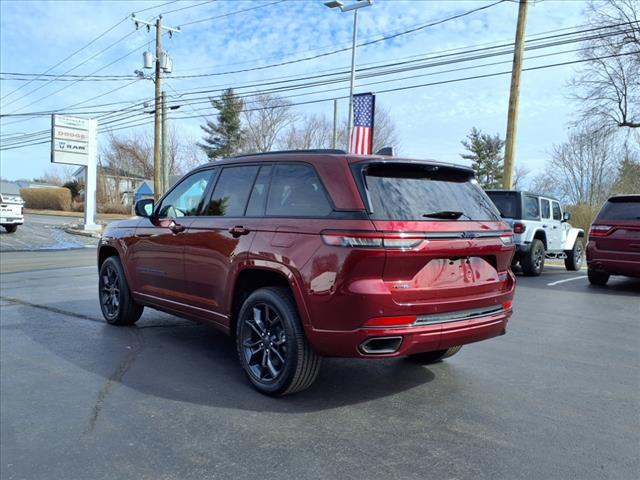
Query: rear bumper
613	263
11	220
414	339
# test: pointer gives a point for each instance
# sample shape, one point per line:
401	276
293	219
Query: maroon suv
299	255
614	240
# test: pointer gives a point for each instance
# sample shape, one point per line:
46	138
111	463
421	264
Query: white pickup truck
11	212
541	230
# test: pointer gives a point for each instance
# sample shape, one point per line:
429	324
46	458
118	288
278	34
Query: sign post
74	142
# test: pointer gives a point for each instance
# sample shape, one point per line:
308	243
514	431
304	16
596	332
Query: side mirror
566	216
144	207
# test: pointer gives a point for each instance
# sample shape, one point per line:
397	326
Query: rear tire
432	357
597	278
271	344
532	262
574	258
116	302
10	228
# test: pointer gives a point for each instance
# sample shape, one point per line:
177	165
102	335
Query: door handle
177	228
238	230
545	226
555	226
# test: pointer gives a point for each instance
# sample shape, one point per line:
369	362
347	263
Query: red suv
614	240
299	255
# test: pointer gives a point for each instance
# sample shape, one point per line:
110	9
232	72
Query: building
115	186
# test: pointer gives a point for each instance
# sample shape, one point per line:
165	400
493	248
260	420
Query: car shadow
618	286
167	357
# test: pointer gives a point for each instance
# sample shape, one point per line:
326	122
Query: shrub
582	215
47	198
114	208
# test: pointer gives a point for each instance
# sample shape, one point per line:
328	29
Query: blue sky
431	120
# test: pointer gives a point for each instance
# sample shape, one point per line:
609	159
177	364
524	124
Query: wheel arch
542	236
572	236
251	278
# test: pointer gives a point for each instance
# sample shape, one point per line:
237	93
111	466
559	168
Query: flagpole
353	78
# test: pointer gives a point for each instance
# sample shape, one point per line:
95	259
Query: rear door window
296	191
232	191
546	208
531	208
624	209
258	199
425	192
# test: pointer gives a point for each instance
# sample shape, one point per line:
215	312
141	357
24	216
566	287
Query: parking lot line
566	280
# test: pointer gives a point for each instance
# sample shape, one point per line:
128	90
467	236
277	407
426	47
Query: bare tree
313	131
608	87
265	117
58	174
582	170
385	133
519	176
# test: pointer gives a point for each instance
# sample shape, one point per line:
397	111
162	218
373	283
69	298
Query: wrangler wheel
271	344
573	261
532	262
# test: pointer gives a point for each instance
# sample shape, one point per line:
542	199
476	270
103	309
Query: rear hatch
444	239
617	226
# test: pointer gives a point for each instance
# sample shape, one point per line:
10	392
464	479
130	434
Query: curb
82	233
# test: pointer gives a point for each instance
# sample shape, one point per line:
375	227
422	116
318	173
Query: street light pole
347	8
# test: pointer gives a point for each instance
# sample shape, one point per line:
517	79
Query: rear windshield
425	192
628	209
506	203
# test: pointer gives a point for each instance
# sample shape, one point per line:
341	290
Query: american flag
363	111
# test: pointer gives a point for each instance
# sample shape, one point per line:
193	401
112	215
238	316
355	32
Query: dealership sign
72	139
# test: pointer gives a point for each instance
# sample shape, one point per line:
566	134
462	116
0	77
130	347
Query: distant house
144	190
115	185
34	184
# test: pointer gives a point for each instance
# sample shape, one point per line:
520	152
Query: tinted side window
231	193
258	198
185	198
296	191
556	211
546	208
531	208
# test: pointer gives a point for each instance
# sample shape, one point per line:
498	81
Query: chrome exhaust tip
380	345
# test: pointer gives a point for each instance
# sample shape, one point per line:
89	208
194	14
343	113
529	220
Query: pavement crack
47	308
115	377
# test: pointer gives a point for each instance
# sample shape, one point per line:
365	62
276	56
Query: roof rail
278	152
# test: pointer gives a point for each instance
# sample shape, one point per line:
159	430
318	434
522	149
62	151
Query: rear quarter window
531	208
296	191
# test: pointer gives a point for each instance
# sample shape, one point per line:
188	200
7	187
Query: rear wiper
446	214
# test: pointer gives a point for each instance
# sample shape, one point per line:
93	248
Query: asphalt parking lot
43	232
558	397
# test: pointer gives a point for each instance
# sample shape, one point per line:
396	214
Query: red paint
344	294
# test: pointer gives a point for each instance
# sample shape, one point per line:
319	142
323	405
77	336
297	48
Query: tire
532	262
288	364
432	357
575	256
11	228
597	278
116	302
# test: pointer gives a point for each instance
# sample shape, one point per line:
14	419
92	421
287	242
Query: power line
231	13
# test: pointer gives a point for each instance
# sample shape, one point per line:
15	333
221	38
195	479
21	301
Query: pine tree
486	157
224	138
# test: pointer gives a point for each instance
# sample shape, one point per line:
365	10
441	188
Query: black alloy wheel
264	343
116	302
272	347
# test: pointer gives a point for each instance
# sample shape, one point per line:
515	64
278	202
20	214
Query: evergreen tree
224	138
485	153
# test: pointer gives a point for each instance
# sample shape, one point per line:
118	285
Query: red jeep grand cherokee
299	255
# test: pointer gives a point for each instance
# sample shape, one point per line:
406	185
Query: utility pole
158	175
512	118
335	124
165	145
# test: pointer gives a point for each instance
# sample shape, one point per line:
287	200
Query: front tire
597	278
432	357
271	344
532	262
116	302
574	258
10	228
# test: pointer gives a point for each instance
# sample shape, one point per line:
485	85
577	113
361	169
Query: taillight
519	228
507	239
398	241
401	321
599	230
21	210
507	305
